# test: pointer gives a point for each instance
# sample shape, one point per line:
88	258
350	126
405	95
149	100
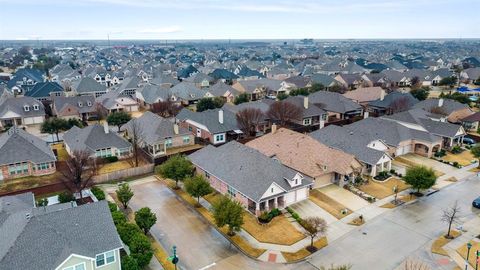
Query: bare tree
415	82
450	216
410	264
135	134
438	110
79	171
100	112
166	108
400	105
248	120
314	226
284	112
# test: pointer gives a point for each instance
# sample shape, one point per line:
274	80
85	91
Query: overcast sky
238	19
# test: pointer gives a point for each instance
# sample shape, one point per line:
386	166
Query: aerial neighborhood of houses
279	148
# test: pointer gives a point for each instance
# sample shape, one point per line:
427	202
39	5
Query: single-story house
337	106
60	237
23	154
216	126
373	154
157	135
257	181
322	163
98	140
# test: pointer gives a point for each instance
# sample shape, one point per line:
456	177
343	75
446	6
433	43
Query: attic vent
27	215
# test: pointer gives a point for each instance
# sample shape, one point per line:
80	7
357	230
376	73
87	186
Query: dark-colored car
468	141
476	203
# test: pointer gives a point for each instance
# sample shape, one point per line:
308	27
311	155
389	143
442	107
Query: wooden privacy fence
125	173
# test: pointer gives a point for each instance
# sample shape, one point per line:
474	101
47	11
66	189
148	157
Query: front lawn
302	253
437	246
464	158
278	231
462	251
328	204
383	189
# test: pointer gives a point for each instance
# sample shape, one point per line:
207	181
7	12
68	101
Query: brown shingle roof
305	154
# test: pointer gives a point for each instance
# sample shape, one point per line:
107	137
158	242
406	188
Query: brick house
23	154
258	182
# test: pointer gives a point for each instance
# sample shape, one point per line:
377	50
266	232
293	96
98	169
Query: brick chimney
274	128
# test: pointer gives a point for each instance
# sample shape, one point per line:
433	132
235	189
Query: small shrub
456	149
392	171
118	218
264	217
66	197
275	212
110	159
98	192
295	216
455	164
113	207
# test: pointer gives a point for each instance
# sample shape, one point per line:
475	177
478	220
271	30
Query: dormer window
36	107
80	104
26	108
89	104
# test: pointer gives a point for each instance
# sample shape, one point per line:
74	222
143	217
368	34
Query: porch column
267	205
382	168
373	170
429	151
257	208
451	142
389	165
275	202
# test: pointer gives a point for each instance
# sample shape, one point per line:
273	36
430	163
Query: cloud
162	30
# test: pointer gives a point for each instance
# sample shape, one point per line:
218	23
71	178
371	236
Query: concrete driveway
307	208
345	197
436	165
198	244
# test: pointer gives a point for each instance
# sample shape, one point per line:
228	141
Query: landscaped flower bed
382	176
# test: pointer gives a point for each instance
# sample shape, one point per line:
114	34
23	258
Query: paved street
407	231
390	238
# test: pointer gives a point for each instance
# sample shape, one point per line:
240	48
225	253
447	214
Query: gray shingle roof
391	132
187	91
356	144
220	88
61	102
16	105
47	238
245	169
333	102
422	118
92	138
154	93
16	145
209	118
448	105
393	97
155	128
88	85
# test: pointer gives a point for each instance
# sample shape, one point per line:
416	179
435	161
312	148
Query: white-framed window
186	139
36	107
26	108
307	121
207	175
80	104
105	258
89	104
168	143
231	191
219	138
80	266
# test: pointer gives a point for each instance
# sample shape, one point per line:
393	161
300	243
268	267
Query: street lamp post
469	246
174	258
476	259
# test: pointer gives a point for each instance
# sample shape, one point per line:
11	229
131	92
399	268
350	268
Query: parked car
468	141
476	203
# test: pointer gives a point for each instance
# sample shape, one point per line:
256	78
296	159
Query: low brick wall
122	174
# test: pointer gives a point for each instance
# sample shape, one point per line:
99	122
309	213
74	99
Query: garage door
290	198
403	150
301	194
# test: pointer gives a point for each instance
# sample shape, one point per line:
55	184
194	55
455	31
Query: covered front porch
373	170
266	205
426	150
